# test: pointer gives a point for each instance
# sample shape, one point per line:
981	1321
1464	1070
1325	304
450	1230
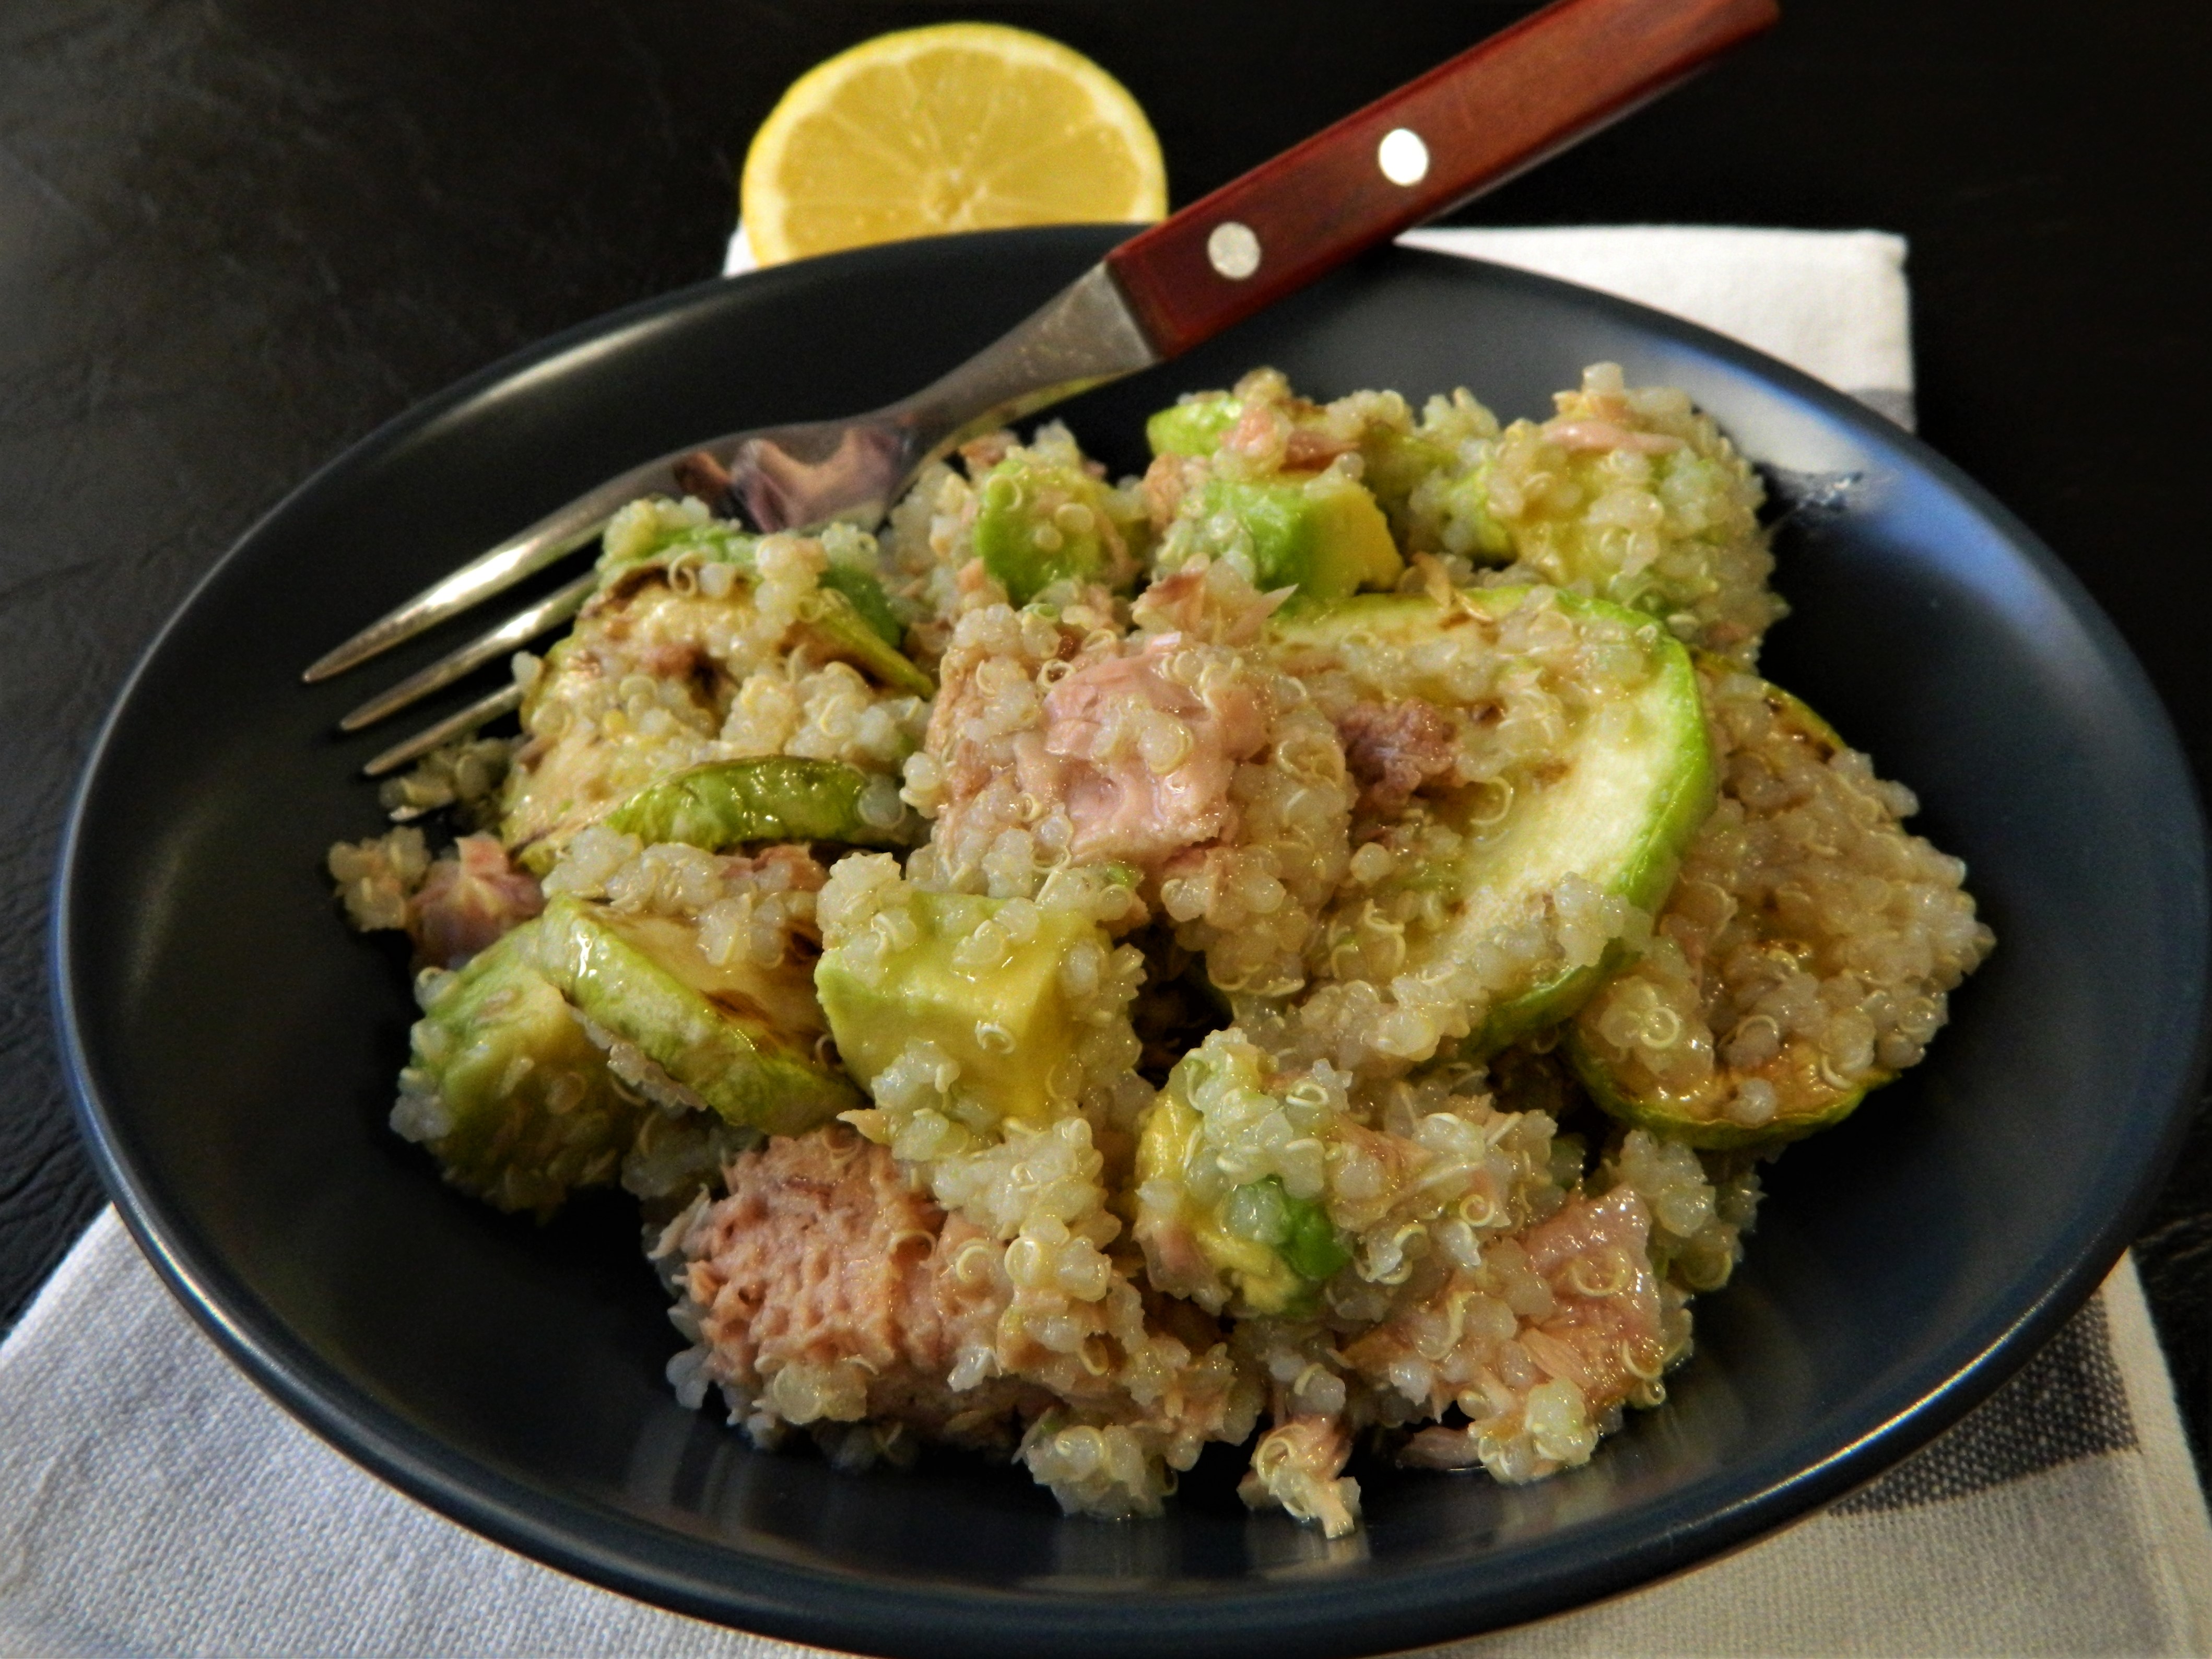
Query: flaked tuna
1394	748
828	1291
1587	1332
1141	759
469	900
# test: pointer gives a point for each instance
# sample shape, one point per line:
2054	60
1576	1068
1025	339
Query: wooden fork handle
1466	126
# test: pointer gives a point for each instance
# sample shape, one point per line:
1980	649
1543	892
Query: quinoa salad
1308	948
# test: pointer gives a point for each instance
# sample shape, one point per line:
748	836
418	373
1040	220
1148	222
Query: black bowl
233	1046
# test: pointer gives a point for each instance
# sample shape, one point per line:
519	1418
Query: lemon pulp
958	126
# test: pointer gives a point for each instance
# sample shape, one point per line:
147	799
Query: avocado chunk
740	1037
1437	496
1807	958
769	797
1319	532
1194	426
983	985
506	1091
1612	810
1040	518
1299	1228
1264	1251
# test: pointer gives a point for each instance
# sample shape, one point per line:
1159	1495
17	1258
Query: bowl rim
800	1602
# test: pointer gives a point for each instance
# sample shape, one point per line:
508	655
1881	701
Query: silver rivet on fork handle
1233	250
1402	156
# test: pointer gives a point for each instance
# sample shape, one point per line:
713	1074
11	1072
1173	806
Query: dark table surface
236	235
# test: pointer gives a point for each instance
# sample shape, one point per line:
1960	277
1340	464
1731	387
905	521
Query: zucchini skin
1646	879
769	797
560	782
732	1056
865	594
841	630
1713	1133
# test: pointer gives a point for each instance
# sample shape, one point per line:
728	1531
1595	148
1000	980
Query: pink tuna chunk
468	901
1393	749
1590	1340
1142	763
822	1254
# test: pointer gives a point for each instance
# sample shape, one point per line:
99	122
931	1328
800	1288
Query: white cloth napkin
153	1501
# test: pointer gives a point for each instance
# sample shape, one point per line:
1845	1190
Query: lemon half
960	126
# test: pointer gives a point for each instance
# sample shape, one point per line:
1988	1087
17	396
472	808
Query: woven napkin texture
153	1501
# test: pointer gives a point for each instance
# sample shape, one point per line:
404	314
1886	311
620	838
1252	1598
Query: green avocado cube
1265	1251
1321	534
1002	1014
1040	519
1194	426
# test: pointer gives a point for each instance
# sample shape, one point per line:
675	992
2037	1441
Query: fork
1469	124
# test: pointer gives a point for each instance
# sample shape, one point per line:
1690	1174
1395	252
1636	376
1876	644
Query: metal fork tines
792	477
482	712
552	538
509	636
